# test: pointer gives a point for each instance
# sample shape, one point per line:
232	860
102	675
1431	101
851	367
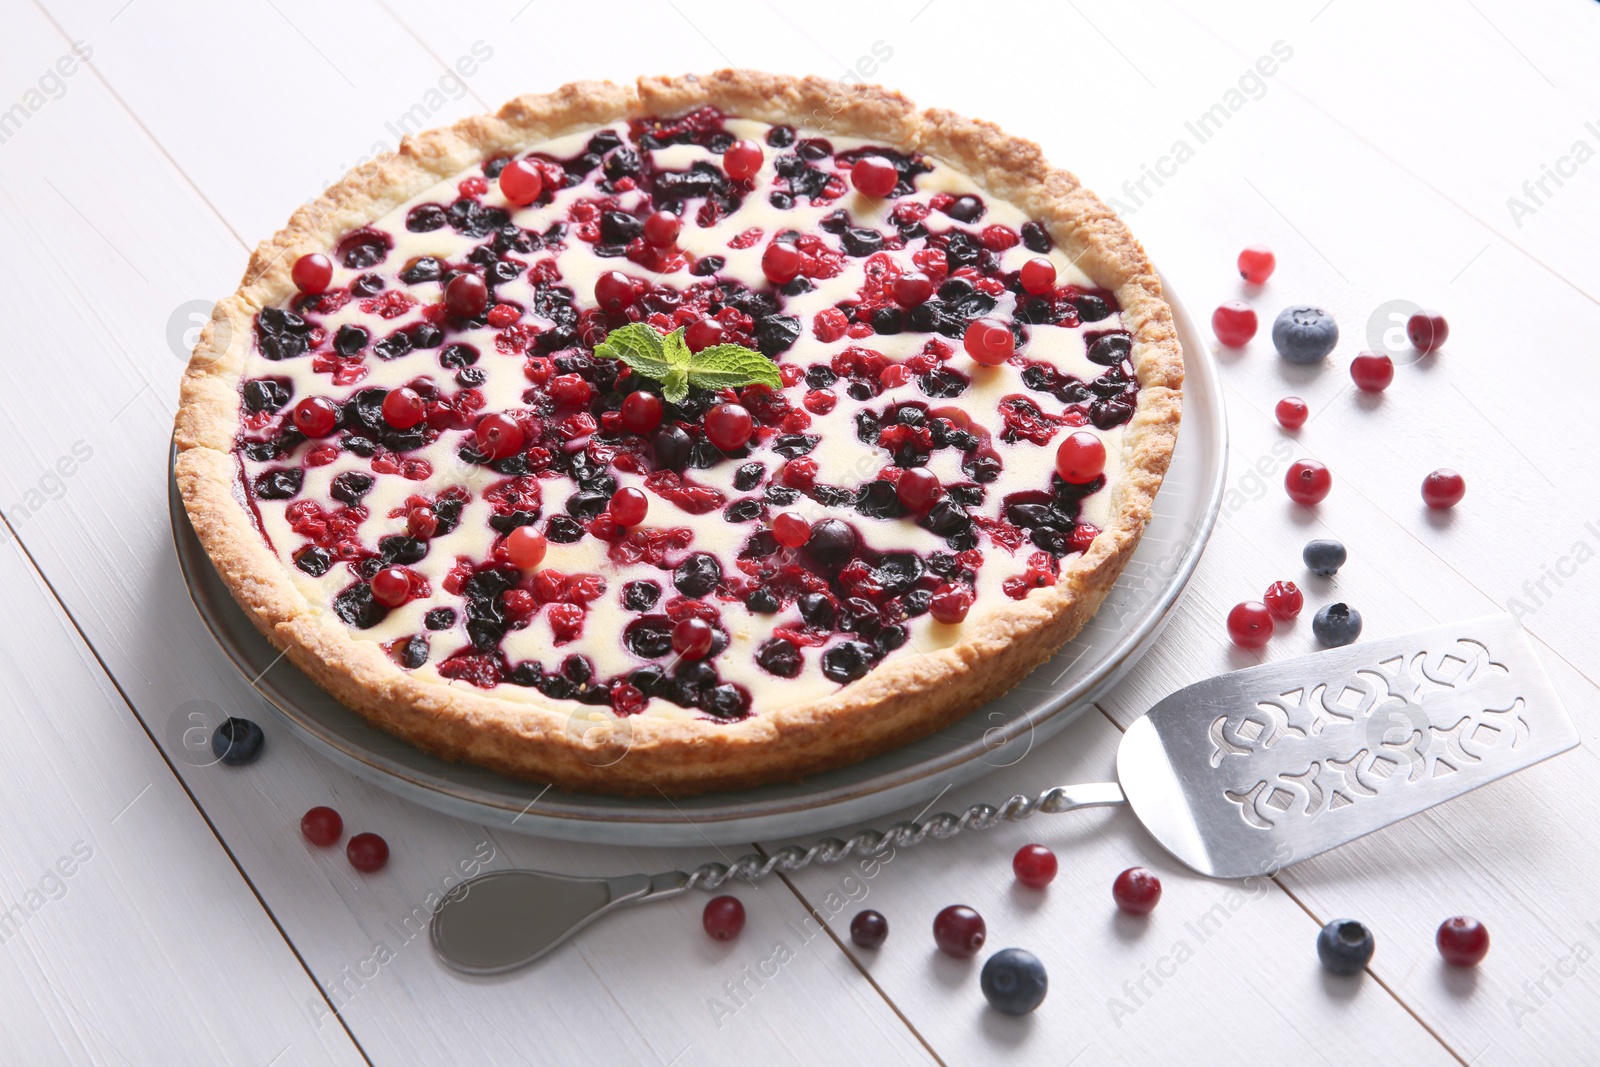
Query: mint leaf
732	366
675	351
639	346
675	385
669	361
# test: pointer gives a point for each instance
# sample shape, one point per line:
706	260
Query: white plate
995	736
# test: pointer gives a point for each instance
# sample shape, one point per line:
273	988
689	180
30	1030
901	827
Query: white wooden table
153	911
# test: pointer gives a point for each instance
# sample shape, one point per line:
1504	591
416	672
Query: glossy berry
1234	322
1292	412
869	929
1345	947
628	506
641	412
1035	866
1324	557
780	263
613	290
692	638
950	605
1307	482
466	295
743	160
959	931
367	852
421	522
1137	891
874	177
525	547
1463	941
1038	276
391	587
791	530
571	389
520	182
723	917
1304	334
1013	981
322	826
312	273
702	334
1335	625
1080	458
661	229
237	741
919	489
1256	264
1284	600
989	341
1372	372
729	426
1427	330
1444	488
403	408
316	416
1250	624
498	436
912	288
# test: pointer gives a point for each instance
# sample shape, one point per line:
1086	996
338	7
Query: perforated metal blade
1252	771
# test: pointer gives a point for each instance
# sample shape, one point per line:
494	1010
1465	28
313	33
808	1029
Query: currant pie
694	435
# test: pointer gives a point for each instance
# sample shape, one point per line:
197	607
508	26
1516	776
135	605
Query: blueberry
1014	982
1336	624
237	742
1304	334
1324	557
1345	946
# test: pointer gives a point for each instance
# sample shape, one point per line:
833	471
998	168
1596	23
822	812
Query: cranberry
1463	941
743	160
322	827
989	341
1292	413
724	916
1137	891
312	273
1256	264
391	587
466	295
1081	458
525	547
1284	600
919	489
869	929
661	229
520	182
692	637
729	426
1038	276
1250	624
799	473
315	416
571	389
1035	866
791	530
498	436
367	852
959	931
502	315
403	408
1443	489
641	412
628	507
1307	482
1234	323
613	290
422	522
1372	372
874	177
780	263
702	334
912	288
1427	330
951	604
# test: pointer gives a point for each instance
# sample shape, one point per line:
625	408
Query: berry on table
743	160
1427	330
367	852
874	177
1372	372
723	917
237	741
1304	334
498	436
1137	890
1324	557
466	295
869	929
1038	276
316	416
1292	412
1013	981
1080	458
1234	323
526	547
729	426
641	412
959	931
1463	941
1256	264
1307	482
312	273
520	182
989	341
1345	947
628	506
1284	600
322	826
1335	625
1250	624
1443	489
1035	866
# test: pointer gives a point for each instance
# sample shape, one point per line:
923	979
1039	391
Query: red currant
912	288
1234	323
628	506
498	436
403	408
1307	482
315	416
502	315
1284	600
951	604
692	637
723	917
791	530
520	182
525	547
613	290
702	334
743	160
466	295
1256	264
312	273
391	587
729	426
1427	330
571	389
919	489
1292	413
1137	891
641	412
1372	372
780	263
661	229
322	827
367	852
1250	624
989	341
1443	489
1081	458
1463	941
422	522
959	931
874	177
1038	276
869	929
1035	866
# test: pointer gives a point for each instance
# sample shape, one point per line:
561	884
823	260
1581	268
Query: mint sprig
669	361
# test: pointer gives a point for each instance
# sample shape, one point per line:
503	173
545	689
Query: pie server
1237	775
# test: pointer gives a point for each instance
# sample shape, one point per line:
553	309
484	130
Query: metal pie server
1237	775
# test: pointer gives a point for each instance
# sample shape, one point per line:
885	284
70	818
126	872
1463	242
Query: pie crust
896	703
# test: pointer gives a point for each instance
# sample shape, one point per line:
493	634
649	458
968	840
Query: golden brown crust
890	706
